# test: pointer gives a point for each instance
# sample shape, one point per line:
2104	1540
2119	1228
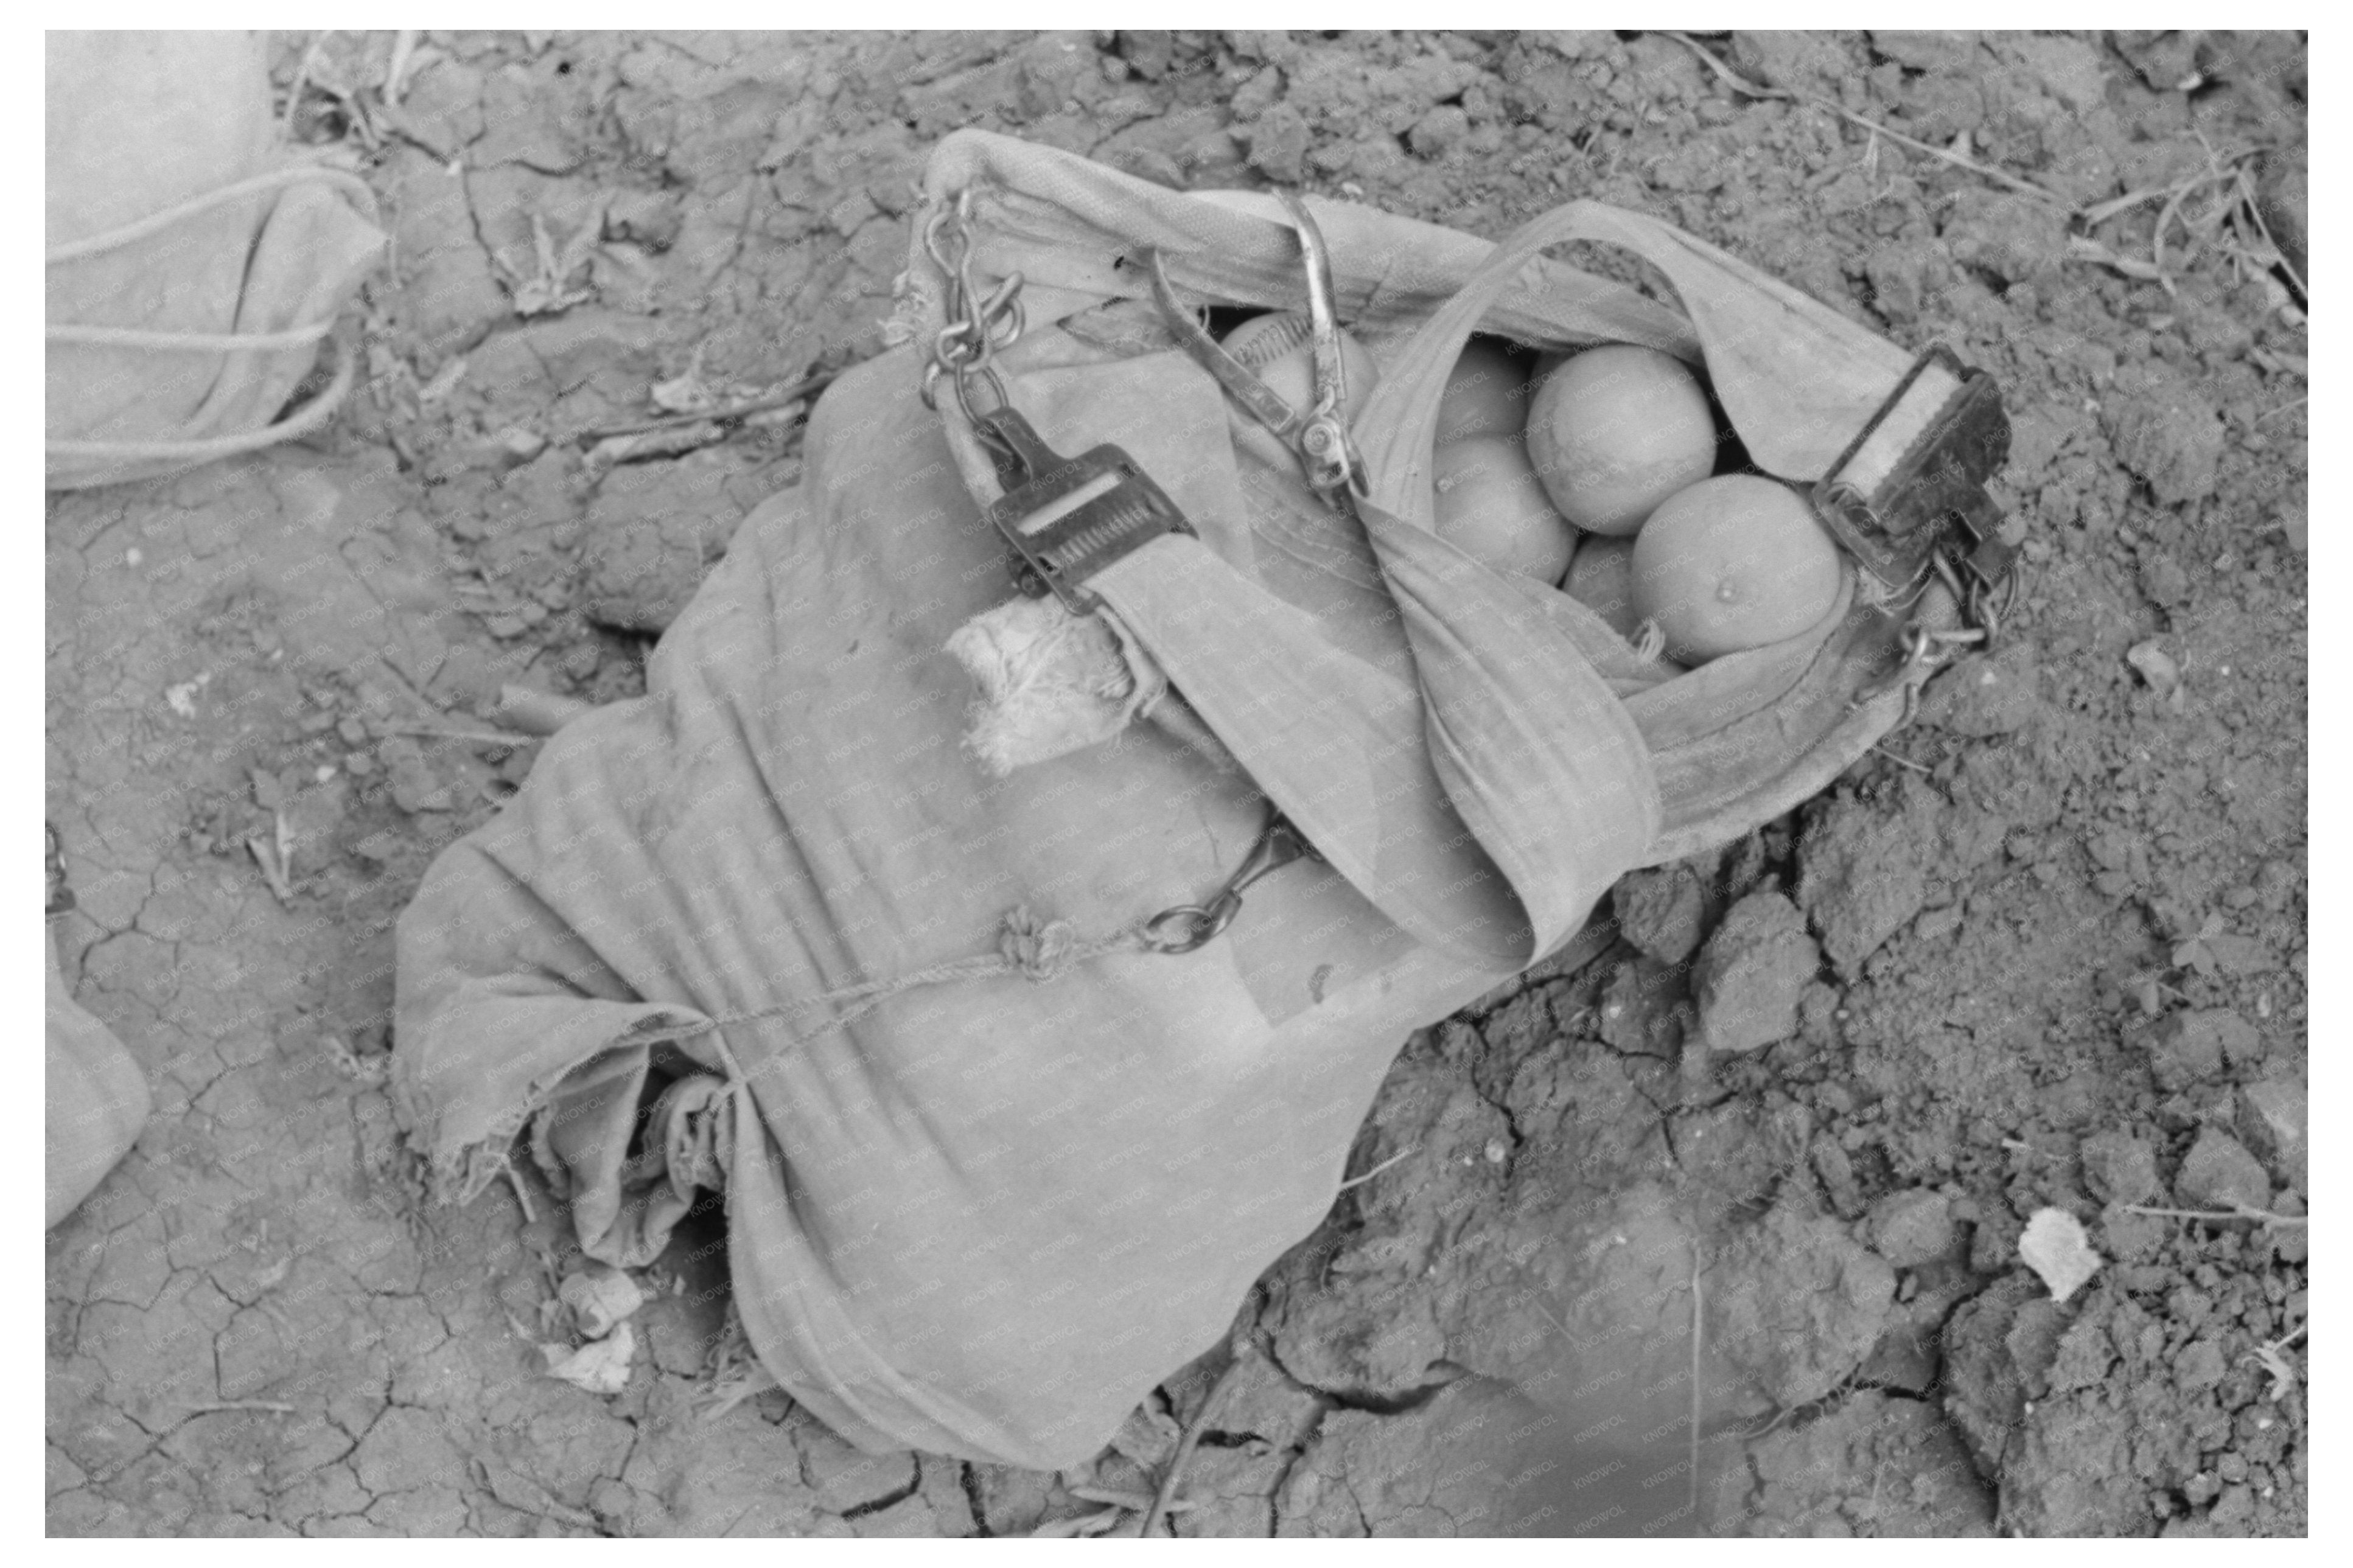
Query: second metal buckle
1915	477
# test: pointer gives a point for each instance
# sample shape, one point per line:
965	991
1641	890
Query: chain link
978	327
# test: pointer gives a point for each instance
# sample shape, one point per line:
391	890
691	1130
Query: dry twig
1085	1524
1396	1159
2268	1356
1741	84
508	737
2236	1211
808	386
259	1406
1175	1475
1698	1320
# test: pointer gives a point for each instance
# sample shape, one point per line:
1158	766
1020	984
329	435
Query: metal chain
978	327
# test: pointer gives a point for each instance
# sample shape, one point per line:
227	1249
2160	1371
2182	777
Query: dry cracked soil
2045	949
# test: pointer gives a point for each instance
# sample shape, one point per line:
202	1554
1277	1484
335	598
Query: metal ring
1201	926
964	380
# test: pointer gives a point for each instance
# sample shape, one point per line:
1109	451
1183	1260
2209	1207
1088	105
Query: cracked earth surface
2048	951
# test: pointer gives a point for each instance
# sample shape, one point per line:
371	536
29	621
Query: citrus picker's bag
194	265
994	1166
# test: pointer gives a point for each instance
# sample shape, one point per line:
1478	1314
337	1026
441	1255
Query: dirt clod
1799	1304
2119	1167
2218	1173
1912	1227
1752	973
2166	430
2272	1119
1662	912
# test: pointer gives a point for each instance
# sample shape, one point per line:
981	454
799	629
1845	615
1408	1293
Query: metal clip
1190	926
1318	434
1264	403
1333	465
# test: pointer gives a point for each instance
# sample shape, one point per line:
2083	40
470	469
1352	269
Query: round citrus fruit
1486	394
1615	431
1490	508
1279	349
1601	578
1731	564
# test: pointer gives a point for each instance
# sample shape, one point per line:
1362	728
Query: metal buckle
1911	485
1069	518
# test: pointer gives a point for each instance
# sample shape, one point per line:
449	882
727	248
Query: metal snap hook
1191	926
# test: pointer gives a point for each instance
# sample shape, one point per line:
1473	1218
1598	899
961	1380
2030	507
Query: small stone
2218	1173
2155	666
2273	1118
1752	973
1438	131
1985	695
1277	144
2015	237
2118	1167
2189	1047
1660	912
2166	430
416	787
2163	581
651	218
1257	95
353	733
1911	1227
1799	61
519	444
2130	1237
377	847
2199	1366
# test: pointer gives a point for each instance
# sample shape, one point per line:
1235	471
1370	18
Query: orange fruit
1732	563
1491	506
1601	578
1486	394
1280	350
1615	431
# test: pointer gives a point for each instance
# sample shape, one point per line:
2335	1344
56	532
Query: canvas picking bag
995	1160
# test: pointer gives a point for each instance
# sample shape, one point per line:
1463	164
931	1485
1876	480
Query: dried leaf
2056	1248
600	1367
600	1297
1149	1436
